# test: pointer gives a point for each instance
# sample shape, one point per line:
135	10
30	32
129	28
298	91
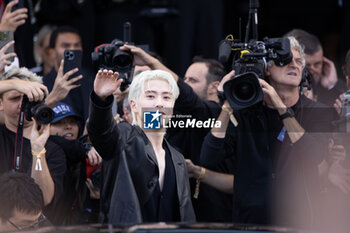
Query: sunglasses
36	224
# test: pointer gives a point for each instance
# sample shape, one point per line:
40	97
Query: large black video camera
39	110
110	57
249	60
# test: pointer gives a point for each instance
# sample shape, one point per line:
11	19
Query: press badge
282	134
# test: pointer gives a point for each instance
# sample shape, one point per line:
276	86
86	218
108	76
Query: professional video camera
110	57
249	60
39	110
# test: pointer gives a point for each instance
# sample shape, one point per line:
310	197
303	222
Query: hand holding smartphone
72	60
17	6
5	38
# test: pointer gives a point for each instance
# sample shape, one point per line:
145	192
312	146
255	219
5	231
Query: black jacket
266	160
211	205
130	170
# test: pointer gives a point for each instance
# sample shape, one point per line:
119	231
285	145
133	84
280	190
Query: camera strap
19	140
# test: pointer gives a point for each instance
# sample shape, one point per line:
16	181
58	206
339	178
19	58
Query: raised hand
226	78
38	138
4	57
141	58
12	20
271	98
33	90
106	82
329	74
63	85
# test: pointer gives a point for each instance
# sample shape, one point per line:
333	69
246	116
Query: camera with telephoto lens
249	60
39	110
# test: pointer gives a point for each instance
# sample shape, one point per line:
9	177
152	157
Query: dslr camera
39	110
110	57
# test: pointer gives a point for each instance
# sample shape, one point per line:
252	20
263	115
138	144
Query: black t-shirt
55	159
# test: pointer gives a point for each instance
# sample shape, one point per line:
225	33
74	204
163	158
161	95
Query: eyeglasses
36	224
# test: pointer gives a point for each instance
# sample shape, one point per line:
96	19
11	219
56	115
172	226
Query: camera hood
243	91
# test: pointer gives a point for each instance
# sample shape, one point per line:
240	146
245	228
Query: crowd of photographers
75	149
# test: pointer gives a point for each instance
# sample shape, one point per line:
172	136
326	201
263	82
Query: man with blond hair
145	178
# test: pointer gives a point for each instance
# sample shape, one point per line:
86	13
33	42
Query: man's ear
213	88
133	106
267	72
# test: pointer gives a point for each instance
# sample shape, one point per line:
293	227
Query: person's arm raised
271	98
63	85
40	171
33	90
142	58
11	20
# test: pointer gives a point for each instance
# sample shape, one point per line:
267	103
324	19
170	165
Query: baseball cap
63	110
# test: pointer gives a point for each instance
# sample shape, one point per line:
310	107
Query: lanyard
19	140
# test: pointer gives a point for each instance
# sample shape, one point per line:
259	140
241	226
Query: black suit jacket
130	168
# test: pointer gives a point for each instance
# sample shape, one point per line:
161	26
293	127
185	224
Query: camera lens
123	60
69	55
243	90
42	113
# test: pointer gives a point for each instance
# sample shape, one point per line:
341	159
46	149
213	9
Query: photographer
47	168
145	179
279	155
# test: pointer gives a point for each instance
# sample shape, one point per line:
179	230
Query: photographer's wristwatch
288	113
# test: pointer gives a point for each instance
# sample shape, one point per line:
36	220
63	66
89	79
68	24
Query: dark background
195	27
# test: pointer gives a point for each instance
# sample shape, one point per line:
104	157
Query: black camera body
39	110
111	57
249	60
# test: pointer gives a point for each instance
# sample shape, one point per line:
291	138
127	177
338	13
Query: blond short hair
138	85
22	74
